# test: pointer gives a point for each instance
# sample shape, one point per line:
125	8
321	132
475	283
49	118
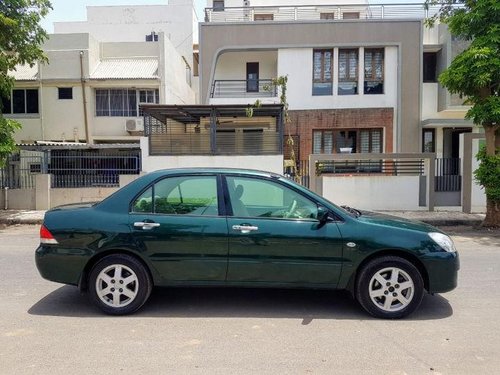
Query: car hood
395	222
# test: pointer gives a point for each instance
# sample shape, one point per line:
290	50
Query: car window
189	195
144	203
252	197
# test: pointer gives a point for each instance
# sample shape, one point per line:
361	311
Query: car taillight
46	237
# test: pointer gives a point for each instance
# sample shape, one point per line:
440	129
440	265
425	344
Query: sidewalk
440	218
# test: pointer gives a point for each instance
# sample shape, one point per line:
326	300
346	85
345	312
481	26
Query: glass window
327	16
263	17
31	101
148	97
374	71
430	64
322	142
123	102
6	105
348	72
18	101
192	195
252	197
65	92
322	72
145	202
21	101
350	15
428	143
347	141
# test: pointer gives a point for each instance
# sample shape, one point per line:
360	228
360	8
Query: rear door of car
179	224
274	240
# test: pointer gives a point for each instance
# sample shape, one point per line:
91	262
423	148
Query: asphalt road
48	328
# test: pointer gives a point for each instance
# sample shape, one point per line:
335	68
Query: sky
75	10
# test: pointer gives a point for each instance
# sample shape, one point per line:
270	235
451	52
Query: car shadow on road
306	305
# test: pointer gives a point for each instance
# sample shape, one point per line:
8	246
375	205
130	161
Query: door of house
253	77
448	180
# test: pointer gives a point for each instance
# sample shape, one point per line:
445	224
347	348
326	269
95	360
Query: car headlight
444	241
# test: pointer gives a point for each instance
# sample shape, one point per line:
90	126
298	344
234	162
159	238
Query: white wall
61	196
373	192
132	23
431	35
233	65
270	163
297	64
174	85
429	100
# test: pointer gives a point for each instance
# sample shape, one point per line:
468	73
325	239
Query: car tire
119	284
389	287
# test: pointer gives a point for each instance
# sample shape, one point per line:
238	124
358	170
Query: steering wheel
290	209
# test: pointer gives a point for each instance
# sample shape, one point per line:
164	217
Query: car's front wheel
389	287
119	284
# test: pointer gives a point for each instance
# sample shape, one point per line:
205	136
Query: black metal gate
448	175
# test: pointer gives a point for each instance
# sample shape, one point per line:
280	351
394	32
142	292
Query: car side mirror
322	215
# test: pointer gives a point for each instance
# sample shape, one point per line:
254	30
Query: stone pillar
42	191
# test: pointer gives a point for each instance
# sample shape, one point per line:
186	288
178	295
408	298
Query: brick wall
302	124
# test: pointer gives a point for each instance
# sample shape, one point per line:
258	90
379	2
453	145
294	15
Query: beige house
90	91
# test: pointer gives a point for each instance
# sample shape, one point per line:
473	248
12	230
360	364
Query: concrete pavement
437	218
48	328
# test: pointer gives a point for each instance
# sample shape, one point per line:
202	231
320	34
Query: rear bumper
442	269
60	265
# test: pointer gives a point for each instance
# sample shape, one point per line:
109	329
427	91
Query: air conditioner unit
246	3
134	125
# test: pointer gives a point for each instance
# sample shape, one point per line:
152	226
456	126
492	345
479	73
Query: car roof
250	172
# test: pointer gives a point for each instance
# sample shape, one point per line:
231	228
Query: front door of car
275	237
176	223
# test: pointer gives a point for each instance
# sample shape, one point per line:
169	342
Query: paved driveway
48	328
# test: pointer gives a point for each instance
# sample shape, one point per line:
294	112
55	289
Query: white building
361	77
129	23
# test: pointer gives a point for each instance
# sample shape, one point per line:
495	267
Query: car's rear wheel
119	284
389	287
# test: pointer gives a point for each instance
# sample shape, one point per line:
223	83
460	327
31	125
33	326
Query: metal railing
320	12
243	89
382	166
83	170
19	171
300	175
448	176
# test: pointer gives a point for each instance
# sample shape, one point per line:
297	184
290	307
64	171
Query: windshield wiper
351	210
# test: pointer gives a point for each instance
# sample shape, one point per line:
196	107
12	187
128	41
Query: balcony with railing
320	12
257	88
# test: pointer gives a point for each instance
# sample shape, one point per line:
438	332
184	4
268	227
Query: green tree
21	37
474	74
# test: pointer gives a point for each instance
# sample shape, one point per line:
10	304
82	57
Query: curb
451	222
18	221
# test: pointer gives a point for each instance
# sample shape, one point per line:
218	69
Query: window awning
25	73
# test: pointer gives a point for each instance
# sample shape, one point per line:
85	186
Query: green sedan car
240	228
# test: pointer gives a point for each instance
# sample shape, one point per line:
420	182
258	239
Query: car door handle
245	228
146	226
